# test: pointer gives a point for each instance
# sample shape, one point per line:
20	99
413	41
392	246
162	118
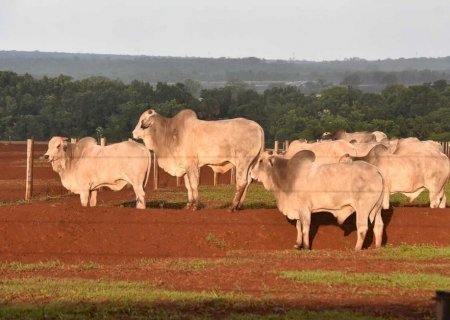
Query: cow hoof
188	206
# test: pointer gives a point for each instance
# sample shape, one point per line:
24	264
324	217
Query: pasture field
61	261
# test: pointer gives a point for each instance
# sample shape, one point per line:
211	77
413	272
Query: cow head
327	135
141	131
56	153
262	170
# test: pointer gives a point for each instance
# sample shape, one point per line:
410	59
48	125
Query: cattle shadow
155	204
320	219
216	308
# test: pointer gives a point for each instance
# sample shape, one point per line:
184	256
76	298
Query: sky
282	29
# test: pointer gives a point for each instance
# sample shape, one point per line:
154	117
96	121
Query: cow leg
93	198
386	196
244	194
298	225
436	198
241	186
306	223
189	190
84	198
378	230
140	196
443	202
361	227
193	176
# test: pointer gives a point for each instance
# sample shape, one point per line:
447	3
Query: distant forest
98	106
311	77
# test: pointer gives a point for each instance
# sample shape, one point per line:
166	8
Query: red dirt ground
119	238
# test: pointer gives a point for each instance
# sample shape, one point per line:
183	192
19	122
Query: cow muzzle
137	134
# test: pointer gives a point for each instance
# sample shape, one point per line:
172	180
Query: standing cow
301	187
84	167
411	168
362	136
184	143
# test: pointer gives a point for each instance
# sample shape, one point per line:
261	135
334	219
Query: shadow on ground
218	308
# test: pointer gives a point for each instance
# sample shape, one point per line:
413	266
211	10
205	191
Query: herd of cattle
343	173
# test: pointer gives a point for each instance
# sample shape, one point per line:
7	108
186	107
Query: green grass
305	315
211	197
415	252
257	198
46	298
49	265
413	281
86	266
422	200
146	262
24	267
211	238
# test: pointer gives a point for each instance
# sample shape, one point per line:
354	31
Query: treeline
175	69
45	107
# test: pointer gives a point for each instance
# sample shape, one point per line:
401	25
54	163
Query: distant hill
215	72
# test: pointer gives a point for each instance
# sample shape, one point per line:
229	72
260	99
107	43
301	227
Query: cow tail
378	204
149	167
263	144
261	150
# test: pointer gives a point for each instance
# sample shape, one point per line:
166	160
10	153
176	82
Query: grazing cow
413	167
184	143
301	187
85	167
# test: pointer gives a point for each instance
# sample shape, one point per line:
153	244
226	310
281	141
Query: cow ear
148	120
346	158
65	142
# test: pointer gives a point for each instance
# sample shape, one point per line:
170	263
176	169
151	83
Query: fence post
286	145
29	182
155	171
215	178
73	140
103	141
276	147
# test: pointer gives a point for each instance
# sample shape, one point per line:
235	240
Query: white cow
84	167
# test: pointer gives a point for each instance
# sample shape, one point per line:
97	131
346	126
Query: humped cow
412	145
327	151
362	136
413	167
84	167
184	143
301	187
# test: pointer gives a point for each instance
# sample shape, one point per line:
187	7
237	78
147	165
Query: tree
352	80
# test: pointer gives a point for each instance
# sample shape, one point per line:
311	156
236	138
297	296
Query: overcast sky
283	29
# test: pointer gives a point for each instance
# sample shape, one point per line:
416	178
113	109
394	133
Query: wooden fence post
286	145
215	178
276	147
103	141
155	171
73	140
29	182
